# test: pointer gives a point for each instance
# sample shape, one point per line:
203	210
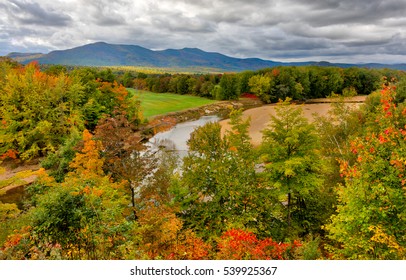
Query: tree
126	157
182	86
38	111
292	162
342	122
206	89
228	86
128	79
57	163
260	85
219	186
237	244
370	222
401	91
243	82
85	214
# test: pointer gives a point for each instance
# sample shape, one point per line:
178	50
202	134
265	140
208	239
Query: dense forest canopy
331	189
271	84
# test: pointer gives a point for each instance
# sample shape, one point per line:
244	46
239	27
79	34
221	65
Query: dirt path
261	116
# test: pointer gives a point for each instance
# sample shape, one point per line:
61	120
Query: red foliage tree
237	244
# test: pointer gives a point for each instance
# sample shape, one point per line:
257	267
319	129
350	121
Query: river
176	138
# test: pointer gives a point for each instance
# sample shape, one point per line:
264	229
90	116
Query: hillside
23	57
104	54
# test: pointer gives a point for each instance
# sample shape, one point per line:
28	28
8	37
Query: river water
176	138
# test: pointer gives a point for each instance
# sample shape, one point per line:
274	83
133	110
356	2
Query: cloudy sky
283	30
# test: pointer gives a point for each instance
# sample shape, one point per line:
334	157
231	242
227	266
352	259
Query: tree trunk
289	198
133	202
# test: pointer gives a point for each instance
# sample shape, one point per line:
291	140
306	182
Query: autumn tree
38	111
370	219
126	157
85	214
335	129
237	244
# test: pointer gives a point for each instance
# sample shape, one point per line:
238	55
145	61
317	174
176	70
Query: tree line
270	85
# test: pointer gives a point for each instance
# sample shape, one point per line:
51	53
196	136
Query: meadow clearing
153	104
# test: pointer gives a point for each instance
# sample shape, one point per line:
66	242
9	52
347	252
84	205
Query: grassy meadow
154	104
165	70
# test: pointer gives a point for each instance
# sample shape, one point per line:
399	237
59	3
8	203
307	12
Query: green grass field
153	104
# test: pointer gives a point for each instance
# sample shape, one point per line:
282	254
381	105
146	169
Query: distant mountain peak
105	54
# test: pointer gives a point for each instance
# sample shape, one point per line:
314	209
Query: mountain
104	54
23	57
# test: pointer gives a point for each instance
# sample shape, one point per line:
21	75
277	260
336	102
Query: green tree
182	86
228	86
206	89
243	82
260	85
219	187
57	163
401	91
106	75
292	161
128	79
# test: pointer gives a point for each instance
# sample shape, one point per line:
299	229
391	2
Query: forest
331	189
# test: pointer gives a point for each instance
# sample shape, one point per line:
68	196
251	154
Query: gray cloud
346	30
353	11
102	12
32	13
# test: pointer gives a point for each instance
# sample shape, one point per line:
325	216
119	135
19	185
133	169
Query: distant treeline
270	84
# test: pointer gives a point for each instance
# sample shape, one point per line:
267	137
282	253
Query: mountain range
104	54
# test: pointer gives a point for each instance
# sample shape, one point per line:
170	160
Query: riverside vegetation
331	189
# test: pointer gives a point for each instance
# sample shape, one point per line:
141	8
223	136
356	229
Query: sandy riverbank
261	116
